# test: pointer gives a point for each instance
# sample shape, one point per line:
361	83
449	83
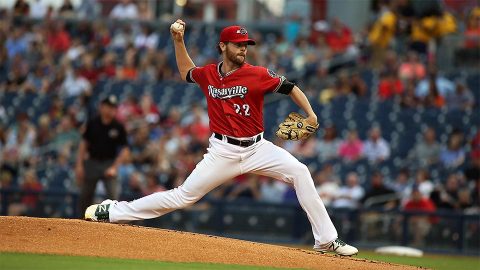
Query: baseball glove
295	127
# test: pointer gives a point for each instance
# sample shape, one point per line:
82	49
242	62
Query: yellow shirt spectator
383	30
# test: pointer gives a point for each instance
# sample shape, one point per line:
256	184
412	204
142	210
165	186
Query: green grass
21	261
437	262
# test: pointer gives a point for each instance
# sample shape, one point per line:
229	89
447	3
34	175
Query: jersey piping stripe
220	72
282	79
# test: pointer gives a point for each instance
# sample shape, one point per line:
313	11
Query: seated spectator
58	38
408	98
149	109
389	86
146	39
75	85
327	147
375	148
152	184
420	224
472	33
453	155
465	201
475	146
358	85
145	12
17	42
427	151
129	69
349	195
326	184
272	190
381	35
339	37
461	99
66	10
351	149
305	148
379	195
446	196
122	37
126	9
88	69
129	109
411	68
20	139
108	68
422	182
38	9
433	98
21	8
246	189
29	203
442	85
401	183
472	172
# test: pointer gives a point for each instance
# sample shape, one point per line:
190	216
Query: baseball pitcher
235	91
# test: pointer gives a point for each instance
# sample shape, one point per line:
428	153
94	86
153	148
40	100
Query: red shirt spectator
339	38
419	203
129	109
472	34
475	144
58	39
390	86
31	184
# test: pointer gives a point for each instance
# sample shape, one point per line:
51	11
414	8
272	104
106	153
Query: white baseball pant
224	161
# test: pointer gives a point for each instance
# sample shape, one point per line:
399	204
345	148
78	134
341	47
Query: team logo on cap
242	31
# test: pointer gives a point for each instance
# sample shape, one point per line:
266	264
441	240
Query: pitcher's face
236	52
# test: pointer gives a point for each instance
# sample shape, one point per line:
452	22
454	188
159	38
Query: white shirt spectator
348	197
144	41
38	9
444	87
376	150
75	85
272	191
124	11
327	192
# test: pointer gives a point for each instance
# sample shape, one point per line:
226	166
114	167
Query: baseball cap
235	33
110	100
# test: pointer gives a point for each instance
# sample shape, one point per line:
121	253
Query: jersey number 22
245	107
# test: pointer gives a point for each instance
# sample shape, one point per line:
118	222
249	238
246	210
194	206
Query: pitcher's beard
232	57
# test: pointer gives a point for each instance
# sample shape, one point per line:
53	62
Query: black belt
242	143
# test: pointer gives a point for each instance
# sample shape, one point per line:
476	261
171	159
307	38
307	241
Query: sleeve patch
272	74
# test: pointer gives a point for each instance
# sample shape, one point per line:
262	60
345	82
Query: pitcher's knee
188	198
299	171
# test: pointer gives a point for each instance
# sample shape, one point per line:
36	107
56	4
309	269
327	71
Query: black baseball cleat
99	212
338	247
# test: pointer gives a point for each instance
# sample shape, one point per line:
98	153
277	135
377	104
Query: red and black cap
235	33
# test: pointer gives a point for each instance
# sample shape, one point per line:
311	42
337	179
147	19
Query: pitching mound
77	237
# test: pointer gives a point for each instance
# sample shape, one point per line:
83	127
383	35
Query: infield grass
437	262
22	261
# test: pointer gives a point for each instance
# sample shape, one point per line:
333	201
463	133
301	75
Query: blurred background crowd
397	97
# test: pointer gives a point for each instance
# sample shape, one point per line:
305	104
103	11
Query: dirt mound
77	237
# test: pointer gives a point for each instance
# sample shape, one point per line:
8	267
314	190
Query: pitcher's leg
273	161
211	172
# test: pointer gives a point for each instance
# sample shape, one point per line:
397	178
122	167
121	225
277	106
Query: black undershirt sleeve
286	87
189	77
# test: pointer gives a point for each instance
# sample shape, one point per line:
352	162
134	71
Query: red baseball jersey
235	99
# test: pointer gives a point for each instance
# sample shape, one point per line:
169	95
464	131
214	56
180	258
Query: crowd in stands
64	60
